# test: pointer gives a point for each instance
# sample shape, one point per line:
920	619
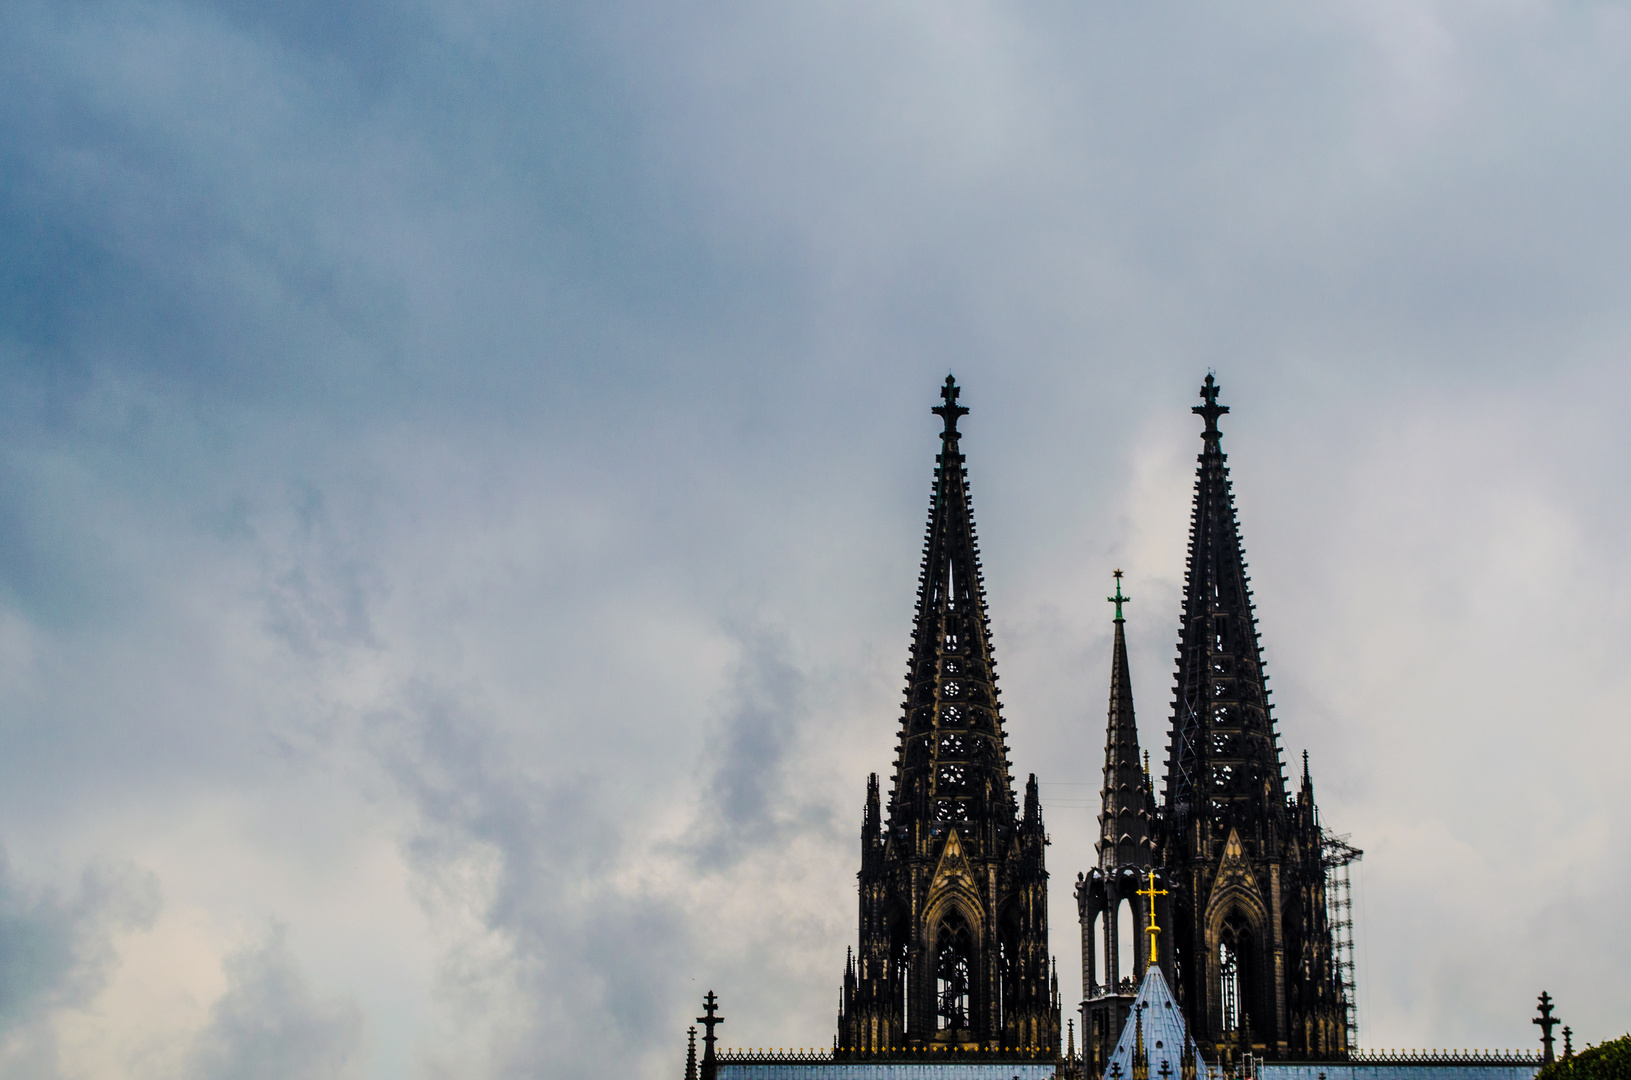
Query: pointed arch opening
1100	954
1229	985
1236	978
1126	941
954	973
903	992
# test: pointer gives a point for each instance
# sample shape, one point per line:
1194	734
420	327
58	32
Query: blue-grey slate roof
861	1070
1380	1070
1164	1031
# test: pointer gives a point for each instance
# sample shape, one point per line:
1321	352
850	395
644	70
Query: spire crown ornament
1118	599
949	410
1211	410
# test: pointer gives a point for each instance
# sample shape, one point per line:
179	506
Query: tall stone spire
952	764
1223	763
1251	936
953	894
1124	825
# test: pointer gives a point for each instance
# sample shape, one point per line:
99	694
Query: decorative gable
1235	884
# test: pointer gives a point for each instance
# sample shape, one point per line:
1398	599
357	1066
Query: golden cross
1152	892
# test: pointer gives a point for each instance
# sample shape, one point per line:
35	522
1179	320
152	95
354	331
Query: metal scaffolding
1337	855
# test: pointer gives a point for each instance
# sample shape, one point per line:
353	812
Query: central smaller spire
1124	825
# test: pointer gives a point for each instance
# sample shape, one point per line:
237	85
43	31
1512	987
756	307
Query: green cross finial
1118	599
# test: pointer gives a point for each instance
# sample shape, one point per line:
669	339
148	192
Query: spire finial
1118	599
1141	1060
1211	410
709	1020
1153	930
950	410
1546	1022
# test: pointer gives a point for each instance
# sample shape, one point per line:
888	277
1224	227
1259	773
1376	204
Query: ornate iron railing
1443	1057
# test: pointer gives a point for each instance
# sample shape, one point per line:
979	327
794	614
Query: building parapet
813	1068
1403	1065
905	1055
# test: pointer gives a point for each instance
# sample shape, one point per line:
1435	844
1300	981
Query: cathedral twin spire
1223	761
953	891
952	767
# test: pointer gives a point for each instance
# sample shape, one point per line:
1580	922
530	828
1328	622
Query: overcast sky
463	468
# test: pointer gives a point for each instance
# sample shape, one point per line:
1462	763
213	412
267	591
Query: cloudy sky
462	471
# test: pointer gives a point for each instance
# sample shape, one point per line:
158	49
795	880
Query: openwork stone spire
952	766
1223	763
953	892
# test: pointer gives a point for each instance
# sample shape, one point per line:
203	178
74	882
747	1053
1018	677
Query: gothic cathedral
953	951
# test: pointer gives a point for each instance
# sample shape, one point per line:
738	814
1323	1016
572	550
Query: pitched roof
1163	1028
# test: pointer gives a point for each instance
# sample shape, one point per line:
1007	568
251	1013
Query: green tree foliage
1606	1061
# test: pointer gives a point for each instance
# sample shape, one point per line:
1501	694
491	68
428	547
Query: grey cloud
565	968
747	803
57	953
55	950
322	590
270	1026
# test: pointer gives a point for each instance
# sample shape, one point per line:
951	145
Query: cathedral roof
1158	1024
